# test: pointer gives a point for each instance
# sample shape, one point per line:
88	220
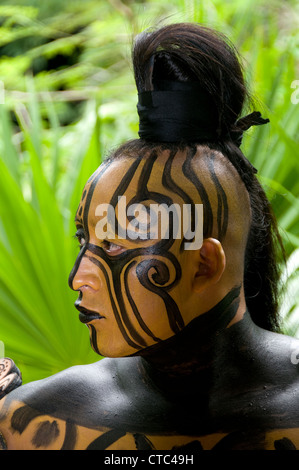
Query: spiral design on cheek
157	273
154	274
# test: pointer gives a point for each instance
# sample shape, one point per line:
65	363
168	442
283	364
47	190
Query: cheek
151	286
151	308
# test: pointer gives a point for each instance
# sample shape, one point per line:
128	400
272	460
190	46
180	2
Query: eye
80	236
112	248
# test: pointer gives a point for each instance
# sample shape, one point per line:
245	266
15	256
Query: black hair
188	52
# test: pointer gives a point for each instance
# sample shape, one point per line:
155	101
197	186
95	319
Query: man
176	280
186	366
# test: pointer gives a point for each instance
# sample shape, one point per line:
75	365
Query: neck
189	355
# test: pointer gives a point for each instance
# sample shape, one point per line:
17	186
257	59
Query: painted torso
248	399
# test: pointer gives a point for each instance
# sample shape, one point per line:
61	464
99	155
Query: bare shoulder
67	390
61	412
85	407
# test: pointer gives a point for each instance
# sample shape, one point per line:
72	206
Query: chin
110	351
113	349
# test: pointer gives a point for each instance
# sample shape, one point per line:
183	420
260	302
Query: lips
85	315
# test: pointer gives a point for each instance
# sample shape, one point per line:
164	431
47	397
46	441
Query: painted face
134	291
135	273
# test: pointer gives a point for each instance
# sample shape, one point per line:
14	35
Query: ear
210	264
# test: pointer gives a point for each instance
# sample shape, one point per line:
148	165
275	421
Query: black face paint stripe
222	210
117	263
133	305
120	313
93	339
191	176
123	185
143	193
93	180
145	174
114	307
76	267
175	318
170	185
116	274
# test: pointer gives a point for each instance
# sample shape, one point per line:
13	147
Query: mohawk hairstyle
187	52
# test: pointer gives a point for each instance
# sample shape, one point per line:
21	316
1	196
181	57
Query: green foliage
69	98
39	325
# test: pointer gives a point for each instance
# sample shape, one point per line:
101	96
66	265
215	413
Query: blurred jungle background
67	96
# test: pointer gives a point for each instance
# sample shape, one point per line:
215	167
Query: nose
84	275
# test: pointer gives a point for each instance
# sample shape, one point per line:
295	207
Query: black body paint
284	444
45	434
22	417
105	440
208	378
70	436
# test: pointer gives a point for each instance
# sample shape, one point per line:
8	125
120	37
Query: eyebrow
78	220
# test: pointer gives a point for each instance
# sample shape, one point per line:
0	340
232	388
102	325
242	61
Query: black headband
182	111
